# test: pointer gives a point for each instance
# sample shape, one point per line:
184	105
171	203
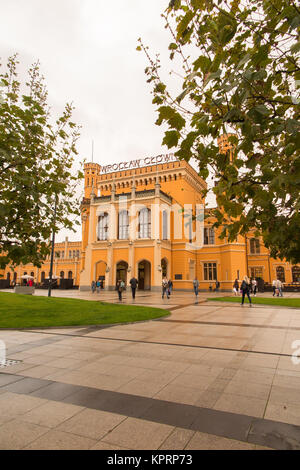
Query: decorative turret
91	173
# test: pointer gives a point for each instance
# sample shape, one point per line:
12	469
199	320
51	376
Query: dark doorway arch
144	275
121	271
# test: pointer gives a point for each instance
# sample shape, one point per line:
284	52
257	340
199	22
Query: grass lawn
25	311
279	301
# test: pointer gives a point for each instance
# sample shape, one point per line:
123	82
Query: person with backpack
98	285
165	287
170	286
245	288
93	287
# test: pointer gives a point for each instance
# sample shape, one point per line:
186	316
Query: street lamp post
52	250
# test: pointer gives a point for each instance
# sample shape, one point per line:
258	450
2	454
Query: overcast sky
87	51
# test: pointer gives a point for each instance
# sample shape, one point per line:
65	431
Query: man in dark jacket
245	288
133	283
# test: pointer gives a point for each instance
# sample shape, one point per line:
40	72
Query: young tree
36	160
240	62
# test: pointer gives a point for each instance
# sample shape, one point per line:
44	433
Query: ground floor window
256	271
280	273
296	273
210	271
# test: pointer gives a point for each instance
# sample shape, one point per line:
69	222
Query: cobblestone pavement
209	376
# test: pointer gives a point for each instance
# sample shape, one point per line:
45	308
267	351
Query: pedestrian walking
217	286
165	290
236	287
196	287
93	287
120	288
170	286
254	287
279	286
274	287
98	285
133	283
245	288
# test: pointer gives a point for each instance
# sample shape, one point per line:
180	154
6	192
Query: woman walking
245	288
236	287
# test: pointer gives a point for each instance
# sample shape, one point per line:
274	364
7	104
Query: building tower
91	173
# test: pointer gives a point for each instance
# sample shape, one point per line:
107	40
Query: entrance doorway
121	272
144	275
100	271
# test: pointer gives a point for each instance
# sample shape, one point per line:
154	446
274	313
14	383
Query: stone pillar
131	262
156	267
85	275
109	282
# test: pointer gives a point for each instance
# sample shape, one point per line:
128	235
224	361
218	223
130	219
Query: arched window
145	223
42	276
254	246
123	225
8	276
280	273
103	226
296	273
32	274
62	274
70	275
165	225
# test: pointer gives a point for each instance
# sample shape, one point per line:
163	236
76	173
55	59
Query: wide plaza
208	376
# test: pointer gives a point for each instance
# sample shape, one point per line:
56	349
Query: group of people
167	286
277	287
121	287
247	287
96	286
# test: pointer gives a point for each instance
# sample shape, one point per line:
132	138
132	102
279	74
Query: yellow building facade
145	219
66	265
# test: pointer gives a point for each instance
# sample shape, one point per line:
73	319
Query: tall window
280	273
70	275
296	273
254	246
210	271
256	272
43	276
209	236
123	225
165	225
103	226
62	274
145	223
